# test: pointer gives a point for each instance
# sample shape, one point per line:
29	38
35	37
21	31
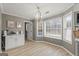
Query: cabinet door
10	42
20	40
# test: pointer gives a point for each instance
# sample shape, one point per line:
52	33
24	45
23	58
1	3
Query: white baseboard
58	46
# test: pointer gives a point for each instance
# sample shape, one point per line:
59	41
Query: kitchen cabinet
14	41
10	42
20	40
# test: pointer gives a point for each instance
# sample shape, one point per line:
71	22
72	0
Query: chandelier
38	14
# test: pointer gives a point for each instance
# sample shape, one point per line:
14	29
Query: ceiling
29	10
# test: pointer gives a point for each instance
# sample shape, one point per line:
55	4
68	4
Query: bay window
67	27
39	28
53	28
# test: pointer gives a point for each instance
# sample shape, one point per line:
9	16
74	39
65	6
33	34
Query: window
67	28
40	28
53	28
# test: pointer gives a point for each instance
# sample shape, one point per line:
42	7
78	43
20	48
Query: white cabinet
10	42
20	40
14	41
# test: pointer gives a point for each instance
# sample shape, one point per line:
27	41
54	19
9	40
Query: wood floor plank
32	48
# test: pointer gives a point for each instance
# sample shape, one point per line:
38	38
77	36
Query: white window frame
65	25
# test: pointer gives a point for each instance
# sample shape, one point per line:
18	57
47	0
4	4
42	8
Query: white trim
65	27
58	46
16	15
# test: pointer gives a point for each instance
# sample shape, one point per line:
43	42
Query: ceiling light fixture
38	13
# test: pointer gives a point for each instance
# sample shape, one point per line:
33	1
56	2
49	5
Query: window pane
67	28
40	28
54	27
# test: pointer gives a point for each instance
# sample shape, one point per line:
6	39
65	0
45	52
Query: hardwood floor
32	48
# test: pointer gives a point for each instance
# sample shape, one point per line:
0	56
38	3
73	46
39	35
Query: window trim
64	18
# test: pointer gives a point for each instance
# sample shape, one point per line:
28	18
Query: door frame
27	22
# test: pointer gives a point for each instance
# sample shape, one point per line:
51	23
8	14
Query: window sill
54	36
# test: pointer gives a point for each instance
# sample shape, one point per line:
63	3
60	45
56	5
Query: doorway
28	31
25	31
